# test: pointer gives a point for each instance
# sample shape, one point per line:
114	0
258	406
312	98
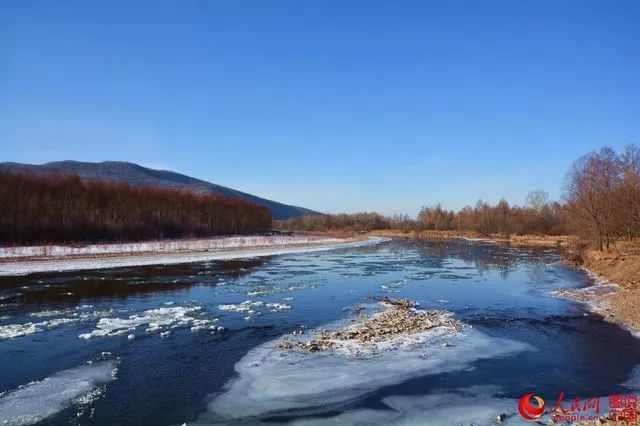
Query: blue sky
334	105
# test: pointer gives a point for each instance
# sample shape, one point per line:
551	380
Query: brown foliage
35	209
603	196
332	222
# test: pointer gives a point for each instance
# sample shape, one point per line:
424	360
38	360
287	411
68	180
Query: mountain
137	175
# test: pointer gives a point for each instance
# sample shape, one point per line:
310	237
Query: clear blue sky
335	105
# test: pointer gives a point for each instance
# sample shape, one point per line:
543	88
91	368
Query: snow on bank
270	380
17	266
36	401
222	243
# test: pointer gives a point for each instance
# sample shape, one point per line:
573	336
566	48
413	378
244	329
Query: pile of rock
400	318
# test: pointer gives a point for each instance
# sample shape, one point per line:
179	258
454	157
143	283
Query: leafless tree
537	200
590	193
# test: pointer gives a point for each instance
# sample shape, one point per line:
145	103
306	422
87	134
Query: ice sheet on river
39	400
28	266
476	405
270	381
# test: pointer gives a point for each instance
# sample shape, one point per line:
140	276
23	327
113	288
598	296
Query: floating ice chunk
277	307
246	306
269	380
155	319
39	400
51	313
11	331
131	336
18	330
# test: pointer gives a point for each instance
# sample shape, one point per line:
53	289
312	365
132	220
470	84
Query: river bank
541	241
619	265
615	293
26	260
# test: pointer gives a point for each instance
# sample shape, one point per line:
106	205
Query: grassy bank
546	241
621	265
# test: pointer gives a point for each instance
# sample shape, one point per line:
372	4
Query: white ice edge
599	287
38	400
23	267
269	381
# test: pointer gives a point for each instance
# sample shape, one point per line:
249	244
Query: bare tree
631	159
537	200
591	195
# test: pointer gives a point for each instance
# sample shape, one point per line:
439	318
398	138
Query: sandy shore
26	260
621	266
615	292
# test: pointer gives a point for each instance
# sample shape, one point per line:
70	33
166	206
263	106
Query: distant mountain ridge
137	175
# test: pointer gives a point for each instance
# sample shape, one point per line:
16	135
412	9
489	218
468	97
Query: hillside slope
137	175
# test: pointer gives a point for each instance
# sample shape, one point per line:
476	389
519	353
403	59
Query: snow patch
156	253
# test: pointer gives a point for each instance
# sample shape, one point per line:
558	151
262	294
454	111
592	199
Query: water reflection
120	283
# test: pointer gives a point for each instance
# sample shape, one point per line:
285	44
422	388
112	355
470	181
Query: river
177	344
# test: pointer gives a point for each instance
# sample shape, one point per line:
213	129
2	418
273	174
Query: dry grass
541	240
619	264
434	235
547	241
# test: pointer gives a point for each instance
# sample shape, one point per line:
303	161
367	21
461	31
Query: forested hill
137	175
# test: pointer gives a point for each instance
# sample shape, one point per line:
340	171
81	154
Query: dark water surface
500	291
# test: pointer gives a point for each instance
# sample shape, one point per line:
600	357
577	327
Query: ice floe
11	331
270	380
246	306
156	320
36	401
75	315
249	307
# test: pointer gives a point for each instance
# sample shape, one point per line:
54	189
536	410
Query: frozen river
193	343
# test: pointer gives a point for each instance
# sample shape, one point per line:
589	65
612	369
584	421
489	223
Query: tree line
484	218
600	203
63	208
602	194
357	222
